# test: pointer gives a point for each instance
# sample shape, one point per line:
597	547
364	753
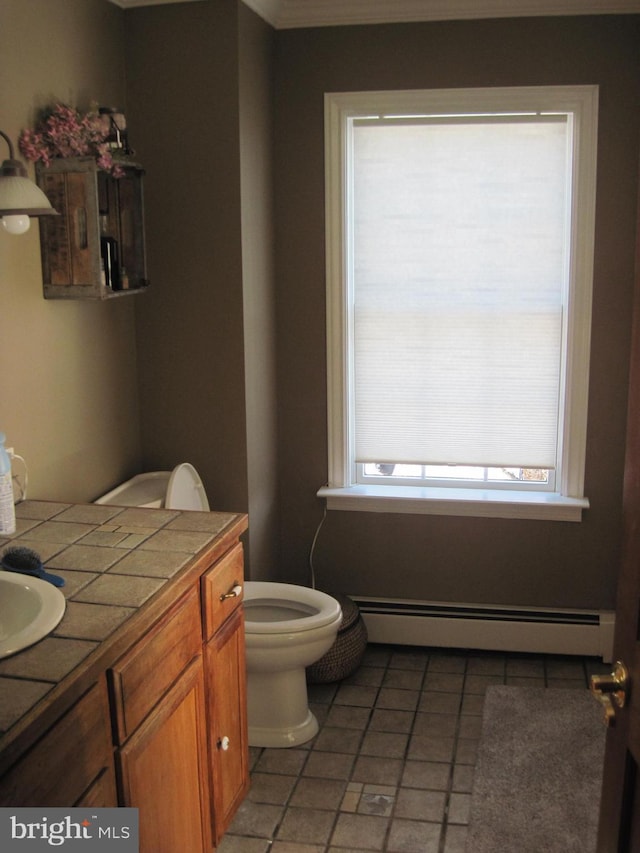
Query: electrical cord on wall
313	547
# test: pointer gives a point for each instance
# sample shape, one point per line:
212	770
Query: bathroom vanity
138	698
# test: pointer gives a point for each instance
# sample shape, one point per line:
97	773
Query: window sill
482	503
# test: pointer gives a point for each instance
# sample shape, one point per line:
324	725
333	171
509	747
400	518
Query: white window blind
458	273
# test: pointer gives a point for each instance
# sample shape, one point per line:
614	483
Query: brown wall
258	275
182	83
434	557
199	82
68	392
200	118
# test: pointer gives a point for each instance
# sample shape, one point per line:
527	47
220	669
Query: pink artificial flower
63	132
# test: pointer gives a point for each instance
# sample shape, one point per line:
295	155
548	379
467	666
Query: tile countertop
113	560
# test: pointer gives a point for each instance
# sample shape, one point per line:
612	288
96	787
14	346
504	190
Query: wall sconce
20	198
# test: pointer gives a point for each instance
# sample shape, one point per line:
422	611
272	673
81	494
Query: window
459	271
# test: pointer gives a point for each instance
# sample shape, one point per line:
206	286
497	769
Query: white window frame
342	492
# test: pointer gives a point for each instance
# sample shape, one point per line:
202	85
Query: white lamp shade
20	195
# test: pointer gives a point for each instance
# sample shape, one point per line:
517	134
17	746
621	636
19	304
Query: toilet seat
185	489
312	608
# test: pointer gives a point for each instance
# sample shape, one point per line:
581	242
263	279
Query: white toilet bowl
287	628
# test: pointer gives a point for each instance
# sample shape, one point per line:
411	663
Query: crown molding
291	14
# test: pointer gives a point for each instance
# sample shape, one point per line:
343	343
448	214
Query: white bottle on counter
7	508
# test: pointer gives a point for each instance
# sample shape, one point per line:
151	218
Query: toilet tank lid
185	489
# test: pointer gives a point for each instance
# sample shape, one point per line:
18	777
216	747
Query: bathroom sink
30	609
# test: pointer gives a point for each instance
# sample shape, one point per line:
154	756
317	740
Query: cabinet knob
223	743
234	592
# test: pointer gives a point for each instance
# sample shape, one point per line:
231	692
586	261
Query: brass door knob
611	691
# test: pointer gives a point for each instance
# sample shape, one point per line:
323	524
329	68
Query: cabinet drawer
141	677
222	589
67	760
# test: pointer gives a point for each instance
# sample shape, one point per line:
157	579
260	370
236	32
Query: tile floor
391	768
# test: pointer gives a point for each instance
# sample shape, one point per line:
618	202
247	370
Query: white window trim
341	492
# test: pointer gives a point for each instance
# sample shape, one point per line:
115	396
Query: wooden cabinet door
71	764
226	695
163	770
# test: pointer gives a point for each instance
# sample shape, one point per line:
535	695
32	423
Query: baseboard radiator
489	627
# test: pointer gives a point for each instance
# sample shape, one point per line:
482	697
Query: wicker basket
345	654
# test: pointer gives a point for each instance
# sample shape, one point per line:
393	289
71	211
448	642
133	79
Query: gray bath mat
538	775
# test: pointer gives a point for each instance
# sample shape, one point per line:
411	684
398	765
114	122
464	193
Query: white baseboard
489	627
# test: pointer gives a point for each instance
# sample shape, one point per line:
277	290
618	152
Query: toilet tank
178	489
148	490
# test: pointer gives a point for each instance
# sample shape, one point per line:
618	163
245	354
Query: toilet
287	628
178	489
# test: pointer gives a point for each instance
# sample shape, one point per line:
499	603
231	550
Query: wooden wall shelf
92	205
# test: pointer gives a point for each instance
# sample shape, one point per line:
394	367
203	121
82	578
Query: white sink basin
30	609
